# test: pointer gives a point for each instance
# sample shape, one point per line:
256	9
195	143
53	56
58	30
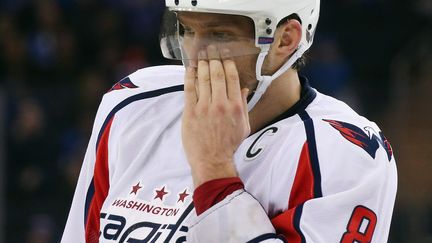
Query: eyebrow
211	23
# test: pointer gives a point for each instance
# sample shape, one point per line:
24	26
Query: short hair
301	62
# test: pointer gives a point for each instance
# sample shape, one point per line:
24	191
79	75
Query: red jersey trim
214	191
288	223
101	187
303	186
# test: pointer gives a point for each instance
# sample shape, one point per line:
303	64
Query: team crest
367	138
122	84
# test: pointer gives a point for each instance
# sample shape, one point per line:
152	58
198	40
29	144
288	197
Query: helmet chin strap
265	81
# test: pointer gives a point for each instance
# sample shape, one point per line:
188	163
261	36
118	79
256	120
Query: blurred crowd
58	57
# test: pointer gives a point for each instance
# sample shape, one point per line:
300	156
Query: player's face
235	33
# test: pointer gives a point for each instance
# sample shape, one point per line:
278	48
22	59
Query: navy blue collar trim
307	95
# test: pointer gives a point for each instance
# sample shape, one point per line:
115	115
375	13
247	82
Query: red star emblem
135	188
182	196
160	193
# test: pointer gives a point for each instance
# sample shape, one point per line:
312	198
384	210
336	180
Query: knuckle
237	108
232	76
205	78
219	107
219	76
202	108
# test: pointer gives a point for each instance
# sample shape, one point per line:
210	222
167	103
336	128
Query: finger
204	86
189	87
217	74
244	94
232	77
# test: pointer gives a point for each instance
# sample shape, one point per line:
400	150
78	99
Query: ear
288	37
286	41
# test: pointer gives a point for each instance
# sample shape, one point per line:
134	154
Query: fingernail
226	53
246	92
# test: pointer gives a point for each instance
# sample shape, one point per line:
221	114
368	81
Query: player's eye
186	30
189	31
222	36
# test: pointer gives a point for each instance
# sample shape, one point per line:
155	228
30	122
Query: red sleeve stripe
288	223
101	143
306	186
100	184
303	186
313	153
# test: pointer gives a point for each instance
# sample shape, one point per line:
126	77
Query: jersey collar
307	95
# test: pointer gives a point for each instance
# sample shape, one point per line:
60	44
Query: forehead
214	20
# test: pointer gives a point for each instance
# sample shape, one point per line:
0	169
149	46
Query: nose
193	45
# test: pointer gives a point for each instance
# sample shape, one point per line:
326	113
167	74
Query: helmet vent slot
268	21
269	31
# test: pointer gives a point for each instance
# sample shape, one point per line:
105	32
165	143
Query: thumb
245	92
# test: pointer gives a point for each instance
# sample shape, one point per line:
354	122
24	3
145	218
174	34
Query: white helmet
266	14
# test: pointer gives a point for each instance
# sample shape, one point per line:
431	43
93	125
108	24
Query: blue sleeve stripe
141	96
310	135
267	236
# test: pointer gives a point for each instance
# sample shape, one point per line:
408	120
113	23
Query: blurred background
58	57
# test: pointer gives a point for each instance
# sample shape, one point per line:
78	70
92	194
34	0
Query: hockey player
233	146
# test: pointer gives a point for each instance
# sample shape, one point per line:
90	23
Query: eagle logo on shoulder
367	139
122	84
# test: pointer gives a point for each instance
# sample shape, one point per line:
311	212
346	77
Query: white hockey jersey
317	173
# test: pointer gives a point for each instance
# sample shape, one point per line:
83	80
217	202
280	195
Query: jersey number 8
361	226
